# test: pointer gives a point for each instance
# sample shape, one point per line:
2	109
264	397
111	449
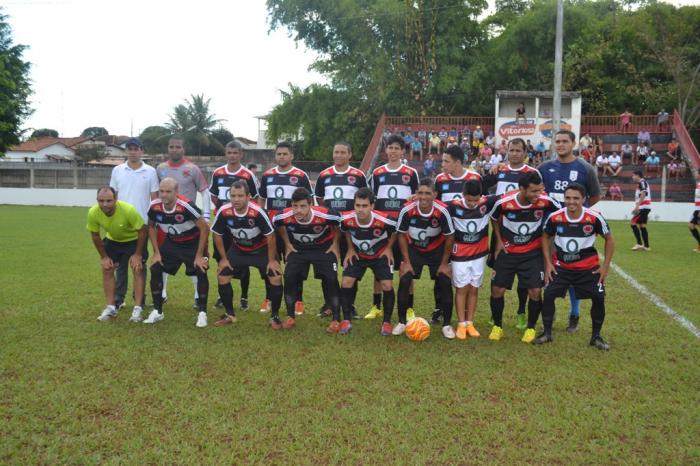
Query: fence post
663	184
75	176
31	177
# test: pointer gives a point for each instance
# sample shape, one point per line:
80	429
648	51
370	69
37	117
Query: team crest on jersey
186	173
377	232
405	179
179	218
318	229
293	180
351	179
573	175
251	222
588	229
434	223
482	210
539	214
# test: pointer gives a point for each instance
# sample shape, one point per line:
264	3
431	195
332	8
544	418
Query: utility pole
558	52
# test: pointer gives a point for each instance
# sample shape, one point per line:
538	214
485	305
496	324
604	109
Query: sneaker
373	313
436	317
266	305
543	338
399	329
201	320
289	323
225	320
496	333
637	247
520	321
573	324
333	327
355	316
110	312
275	323
345	327
528	336
448	332
196	306
119	306
154	317
599	343
410	314
244	304
646	249
324	312
299	308
386	329
136	314
472	331
461	331
217	305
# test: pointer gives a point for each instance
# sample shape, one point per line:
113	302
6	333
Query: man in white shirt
601	162
614	164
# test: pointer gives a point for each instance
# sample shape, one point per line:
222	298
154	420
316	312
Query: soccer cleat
599	343
136	314
324	312
353	311
225	320
333	327
543	338
520	321
266	305
496	333
196	306
436	317
461	331
345	327
119	306
386	329
637	247
289	323
244	304
448	332
472	331
299	308
491	323
528	336
697	249
165	299
201	320
573	324
110	312
646	249
217	305
154	317
275	323
373	313
410	314
399	329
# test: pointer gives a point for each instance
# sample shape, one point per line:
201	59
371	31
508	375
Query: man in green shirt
125	240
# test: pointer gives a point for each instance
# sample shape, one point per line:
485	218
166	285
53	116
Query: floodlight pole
558	52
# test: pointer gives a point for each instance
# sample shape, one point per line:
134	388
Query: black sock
202	291
497	305
446	299
377	300
275	293
696	235
436	295
157	288
331	291
354	295
404	298
346	302
522	300
637	236
410	299
301	291
389	298
226	295
533	313
548	309
645	237
597	315
245	284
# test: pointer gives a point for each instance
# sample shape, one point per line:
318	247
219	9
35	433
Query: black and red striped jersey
249	230
370	239
574	239
179	224
425	232
521	225
471	227
393	188
276	188
507	178
222	179
317	233
338	188
643	187
449	187
697	196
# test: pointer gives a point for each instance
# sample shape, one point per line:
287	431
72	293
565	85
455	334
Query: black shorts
228	241
642	218
174	255
430	259
241	260
584	282
529	268
695	219
121	251
380	267
325	264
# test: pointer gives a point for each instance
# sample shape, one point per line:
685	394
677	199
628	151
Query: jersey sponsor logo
229	222
365	246
382	179
560	229
413	221
220	181
327	181
445	186
159	218
573	175
242	234
511	215
279	192
270	179
338	193
459	212
588	229
501	175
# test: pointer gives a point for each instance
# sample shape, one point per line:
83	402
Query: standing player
574	261
425	239
557	174
518	218
393	184
186	237
370	240
276	187
310	236
250	230
640	214
221	181
695	219
450	183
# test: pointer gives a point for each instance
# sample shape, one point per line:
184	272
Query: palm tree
194	121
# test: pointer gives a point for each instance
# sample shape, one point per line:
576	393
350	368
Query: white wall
53	197
53	149
664	212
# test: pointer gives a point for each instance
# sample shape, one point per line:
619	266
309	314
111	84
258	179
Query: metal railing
684	140
607	124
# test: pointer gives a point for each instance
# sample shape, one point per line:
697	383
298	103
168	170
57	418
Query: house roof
246	141
35	145
531	94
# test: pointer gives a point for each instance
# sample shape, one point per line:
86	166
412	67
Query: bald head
168	191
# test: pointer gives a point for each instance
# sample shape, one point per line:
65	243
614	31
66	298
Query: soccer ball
418	329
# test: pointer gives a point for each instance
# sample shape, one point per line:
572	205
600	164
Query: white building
45	150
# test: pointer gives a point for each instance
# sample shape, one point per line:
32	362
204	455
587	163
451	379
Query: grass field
76	391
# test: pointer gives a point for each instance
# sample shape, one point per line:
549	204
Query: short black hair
639	173
365	193
526	179
302	194
518	141
343	143
455	153
285	145
576	187
427	182
395	139
569	133
472	188
241	185
107	188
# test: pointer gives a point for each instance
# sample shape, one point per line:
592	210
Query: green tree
93	132
15	87
155	139
44	133
222	135
195	122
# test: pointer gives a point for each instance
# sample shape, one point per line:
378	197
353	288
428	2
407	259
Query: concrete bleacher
680	190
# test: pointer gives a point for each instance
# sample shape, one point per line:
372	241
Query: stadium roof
532	94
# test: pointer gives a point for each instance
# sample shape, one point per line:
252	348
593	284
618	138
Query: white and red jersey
449	188
189	177
248	230
222	179
471	227
521	225
425	232
179	224
574	239
338	188
643	187
370	239
507	178
316	233
697	196
276	187
393	188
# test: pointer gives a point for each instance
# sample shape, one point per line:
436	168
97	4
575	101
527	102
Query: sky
125	64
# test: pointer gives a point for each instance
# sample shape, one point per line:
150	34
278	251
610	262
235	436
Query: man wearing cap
137	184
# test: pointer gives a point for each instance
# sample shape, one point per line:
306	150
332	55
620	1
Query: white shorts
468	273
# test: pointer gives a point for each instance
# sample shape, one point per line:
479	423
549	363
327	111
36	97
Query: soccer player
640	213
310	236
221	181
250	229
276	187
450	183
470	219
393	184
557	174
695	219
370	240
186	237
518	218
125	241
574	261
425	237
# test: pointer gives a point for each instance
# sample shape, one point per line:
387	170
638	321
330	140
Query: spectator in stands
614	192
466	133
443	138
478	133
614	164
587	154
386	134
451	141
643	136
652	164
674	169
625	120
464	145
602	164
627	152
662	118
530	149
423	137
416	149
520	113
585	141
490	140
539	150
503	147
434	143
641	155
452	133
485	151
429	165
495	159
536	161
408	137
597	145
672	150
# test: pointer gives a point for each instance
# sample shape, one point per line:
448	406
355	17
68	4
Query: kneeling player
574	262
186	237
253	245
369	238
425	238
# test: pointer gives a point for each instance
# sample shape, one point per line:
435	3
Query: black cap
134	142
